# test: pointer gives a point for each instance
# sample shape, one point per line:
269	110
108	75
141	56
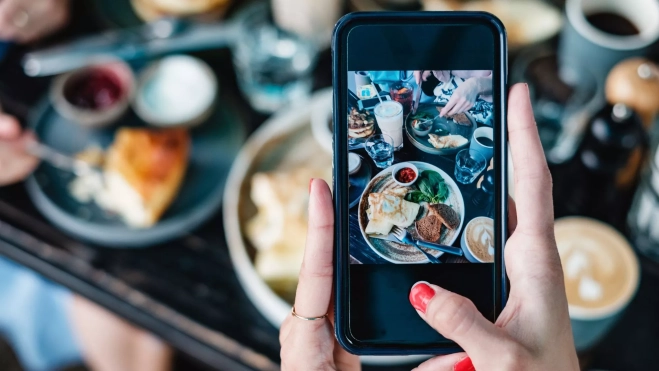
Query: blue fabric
34	319
384	77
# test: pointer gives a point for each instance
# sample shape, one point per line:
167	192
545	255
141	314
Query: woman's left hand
15	163
24	21
463	98
311	345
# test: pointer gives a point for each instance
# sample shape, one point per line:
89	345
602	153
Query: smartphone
419	177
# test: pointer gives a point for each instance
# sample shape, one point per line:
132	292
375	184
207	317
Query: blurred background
155	158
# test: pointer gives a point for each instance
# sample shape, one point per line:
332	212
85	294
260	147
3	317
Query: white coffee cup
601	275
488	224
483	149
361	79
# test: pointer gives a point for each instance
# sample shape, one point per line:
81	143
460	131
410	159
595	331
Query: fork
403	236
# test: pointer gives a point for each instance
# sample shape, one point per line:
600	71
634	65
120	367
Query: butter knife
164	36
434	246
60	160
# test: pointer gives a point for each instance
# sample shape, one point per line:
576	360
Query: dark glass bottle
484	194
600	180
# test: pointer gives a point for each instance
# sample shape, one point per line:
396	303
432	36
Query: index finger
314	290
448	107
533	196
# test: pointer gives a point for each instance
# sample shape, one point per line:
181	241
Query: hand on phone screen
532	332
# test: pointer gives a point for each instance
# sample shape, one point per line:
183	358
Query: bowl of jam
94	96
405	173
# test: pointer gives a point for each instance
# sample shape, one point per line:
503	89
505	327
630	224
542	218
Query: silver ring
306	318
21	19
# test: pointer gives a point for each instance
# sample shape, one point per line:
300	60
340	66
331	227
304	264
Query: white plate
399	253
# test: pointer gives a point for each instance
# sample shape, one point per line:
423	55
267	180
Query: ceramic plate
214	146
441	125
401	253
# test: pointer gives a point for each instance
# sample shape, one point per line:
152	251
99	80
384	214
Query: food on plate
421	125
446	215
361	124
461	119
526	21
447	141
93	155
279	227
406	175
150	10
422	121
429	228
143	171
388	209
431	188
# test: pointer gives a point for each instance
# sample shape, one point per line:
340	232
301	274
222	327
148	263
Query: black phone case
340	173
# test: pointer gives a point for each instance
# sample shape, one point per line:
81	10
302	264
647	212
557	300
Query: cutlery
402	235
60	160
164	36
430	258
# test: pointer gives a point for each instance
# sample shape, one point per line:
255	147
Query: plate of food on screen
439	135
411	212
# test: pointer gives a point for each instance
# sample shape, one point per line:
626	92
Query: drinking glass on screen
469	164
381	149
389	115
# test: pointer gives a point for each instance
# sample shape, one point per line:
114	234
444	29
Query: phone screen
422	179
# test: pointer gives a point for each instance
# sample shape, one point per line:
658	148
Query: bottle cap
621	112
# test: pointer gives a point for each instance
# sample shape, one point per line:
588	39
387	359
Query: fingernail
310	183
464	364
420	295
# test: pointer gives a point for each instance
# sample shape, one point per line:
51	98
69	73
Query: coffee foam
479	236
599	267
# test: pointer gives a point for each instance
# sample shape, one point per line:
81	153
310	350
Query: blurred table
186	291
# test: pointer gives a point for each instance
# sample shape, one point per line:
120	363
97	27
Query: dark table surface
186	290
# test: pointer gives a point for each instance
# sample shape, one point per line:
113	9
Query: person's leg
110	343
34	319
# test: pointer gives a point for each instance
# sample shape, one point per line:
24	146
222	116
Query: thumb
456	318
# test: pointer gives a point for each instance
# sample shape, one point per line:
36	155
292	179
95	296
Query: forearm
483	85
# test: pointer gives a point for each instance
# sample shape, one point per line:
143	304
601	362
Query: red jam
406	175
94	90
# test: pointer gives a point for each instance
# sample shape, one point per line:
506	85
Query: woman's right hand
533	332
15	163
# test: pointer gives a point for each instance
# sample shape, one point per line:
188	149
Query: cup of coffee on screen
478	240
482	141
601	275
601	33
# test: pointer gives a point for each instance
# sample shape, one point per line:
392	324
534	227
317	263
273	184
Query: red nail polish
420	295
464	364
310	183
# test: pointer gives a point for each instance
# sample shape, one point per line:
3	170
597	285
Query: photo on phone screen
422	168
418	169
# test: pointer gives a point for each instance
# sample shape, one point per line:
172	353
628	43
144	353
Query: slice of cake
143	172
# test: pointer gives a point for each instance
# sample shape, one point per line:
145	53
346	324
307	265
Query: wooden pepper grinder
634	82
